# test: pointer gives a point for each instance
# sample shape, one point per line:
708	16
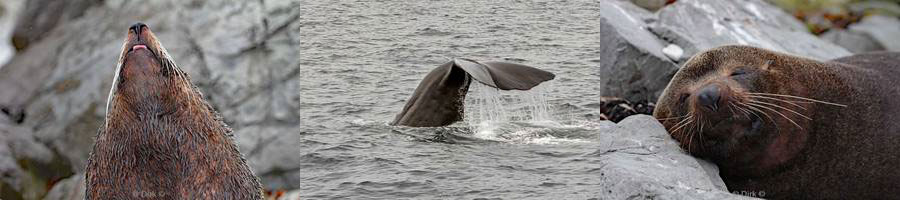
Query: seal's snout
137	28
709	97
139	37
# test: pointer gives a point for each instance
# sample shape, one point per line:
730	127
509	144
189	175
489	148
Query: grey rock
853	41
71	188
673	51
697	25
713	172
242	56
883	29
888	8
21	143
38	17
17	145
632	64
643	162
9	14
270	150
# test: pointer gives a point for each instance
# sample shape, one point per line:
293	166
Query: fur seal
785	127
161	140
438	100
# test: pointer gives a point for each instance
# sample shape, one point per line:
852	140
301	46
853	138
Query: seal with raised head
786	127
438	100
161	140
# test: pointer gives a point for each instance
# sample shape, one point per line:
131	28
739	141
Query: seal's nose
137	28
709	97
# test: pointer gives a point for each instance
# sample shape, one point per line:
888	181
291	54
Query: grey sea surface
363	59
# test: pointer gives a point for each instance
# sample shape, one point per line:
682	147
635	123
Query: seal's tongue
140	46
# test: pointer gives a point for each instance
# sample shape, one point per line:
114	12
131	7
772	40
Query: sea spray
489	104
514	116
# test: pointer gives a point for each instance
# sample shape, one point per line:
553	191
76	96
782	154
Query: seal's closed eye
738	72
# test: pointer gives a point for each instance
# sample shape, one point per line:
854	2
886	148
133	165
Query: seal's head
740	106
161	135
146	78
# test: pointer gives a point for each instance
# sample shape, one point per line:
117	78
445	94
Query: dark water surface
363	59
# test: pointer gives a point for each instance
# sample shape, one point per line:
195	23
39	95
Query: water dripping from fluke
512	115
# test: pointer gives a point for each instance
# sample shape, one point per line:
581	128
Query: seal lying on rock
438	101
785	127
161	140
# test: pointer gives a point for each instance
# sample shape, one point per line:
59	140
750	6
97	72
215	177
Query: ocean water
363	59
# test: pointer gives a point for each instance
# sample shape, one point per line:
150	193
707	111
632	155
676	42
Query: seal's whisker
776	112
780	100
759	111
751	113
681	129
677	127
796	97
745	111
671	118
682	123
699	127
700	133
731	105
694	129
691	137
777	106
731	108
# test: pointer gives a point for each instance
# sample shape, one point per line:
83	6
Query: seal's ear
765	66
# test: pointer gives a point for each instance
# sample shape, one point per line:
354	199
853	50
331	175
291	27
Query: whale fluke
438	100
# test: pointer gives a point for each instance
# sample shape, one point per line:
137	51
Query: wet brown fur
849	148
161	140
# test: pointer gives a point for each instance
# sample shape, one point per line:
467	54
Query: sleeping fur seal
438	100
161	140
786	127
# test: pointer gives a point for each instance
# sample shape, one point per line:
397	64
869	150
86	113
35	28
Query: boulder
632	64
853	41
9	14
644	49
39	17
697	25
643	162
26	166
71	188
873	33
882	29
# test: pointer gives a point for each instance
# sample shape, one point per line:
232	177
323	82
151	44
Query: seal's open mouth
140	50
138	46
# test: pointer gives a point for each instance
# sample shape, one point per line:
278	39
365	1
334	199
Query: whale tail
438	100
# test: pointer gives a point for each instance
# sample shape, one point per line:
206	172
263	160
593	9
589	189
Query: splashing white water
488	104
512	116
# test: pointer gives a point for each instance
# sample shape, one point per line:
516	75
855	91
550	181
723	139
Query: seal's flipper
438	100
